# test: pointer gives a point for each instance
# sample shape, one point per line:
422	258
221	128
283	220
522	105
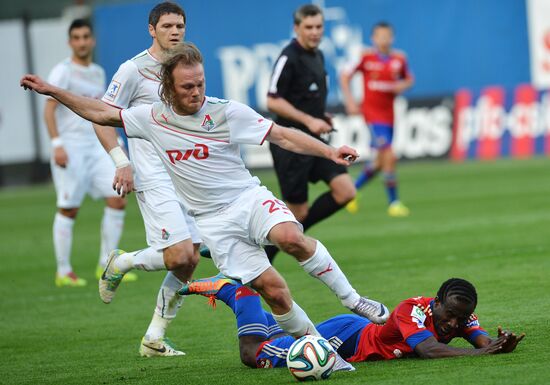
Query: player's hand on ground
495	346
345	155
318	126
512	340
352	109
35	83
123	183
60	156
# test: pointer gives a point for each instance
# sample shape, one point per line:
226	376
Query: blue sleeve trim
417	338
476	333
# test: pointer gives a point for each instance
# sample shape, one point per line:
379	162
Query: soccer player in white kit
79	165
197	139
171	233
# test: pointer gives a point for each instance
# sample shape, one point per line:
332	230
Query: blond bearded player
197	138
172	237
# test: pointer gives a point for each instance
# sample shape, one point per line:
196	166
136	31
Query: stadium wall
463	53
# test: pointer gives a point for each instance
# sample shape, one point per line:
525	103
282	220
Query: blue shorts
337	330
382	135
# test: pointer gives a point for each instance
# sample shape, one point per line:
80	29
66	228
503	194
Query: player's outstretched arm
512	341
283	108
297	141
431	348
88	108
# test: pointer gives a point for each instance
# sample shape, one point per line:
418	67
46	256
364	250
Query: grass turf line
486	222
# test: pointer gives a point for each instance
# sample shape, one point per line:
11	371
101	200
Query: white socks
321	265
111	230
62	243
168	304
147	259
296	322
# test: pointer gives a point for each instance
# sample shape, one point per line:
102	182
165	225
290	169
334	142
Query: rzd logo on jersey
200	152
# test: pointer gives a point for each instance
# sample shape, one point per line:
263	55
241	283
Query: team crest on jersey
165	235
112	91
418	316
208	124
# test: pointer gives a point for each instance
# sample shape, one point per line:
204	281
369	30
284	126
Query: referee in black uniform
297	95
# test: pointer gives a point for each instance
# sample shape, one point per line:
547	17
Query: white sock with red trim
322	266
296	322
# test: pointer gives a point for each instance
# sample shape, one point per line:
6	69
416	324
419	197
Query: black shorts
294	171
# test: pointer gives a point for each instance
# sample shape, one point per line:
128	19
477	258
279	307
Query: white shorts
165	218
235	234
89	170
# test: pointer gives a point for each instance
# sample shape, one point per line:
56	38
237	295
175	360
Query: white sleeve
136	121
246	126
59	76
123	86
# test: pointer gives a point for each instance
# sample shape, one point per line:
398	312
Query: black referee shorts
294	171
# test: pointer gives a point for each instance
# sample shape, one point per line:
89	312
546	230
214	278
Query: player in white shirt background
171	234
79	165
198	138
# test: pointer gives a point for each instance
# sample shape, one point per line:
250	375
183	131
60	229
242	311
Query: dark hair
381	24
463	290
186	54
79	23
306	11
164	9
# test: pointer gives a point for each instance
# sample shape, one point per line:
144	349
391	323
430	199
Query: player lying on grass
197	138
419	326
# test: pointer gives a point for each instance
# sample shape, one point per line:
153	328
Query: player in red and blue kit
419	326
385	75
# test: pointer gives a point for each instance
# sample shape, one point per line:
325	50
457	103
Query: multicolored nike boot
207	287
111	277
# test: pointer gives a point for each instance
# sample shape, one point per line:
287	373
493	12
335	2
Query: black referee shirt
299	76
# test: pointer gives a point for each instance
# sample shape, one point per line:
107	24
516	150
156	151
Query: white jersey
201	151
82	80
136	83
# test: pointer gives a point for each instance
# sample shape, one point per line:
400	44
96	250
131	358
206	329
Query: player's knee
343	189
292	241
69	213
345	195
181	255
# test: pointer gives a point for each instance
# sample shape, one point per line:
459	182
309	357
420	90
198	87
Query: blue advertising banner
450	44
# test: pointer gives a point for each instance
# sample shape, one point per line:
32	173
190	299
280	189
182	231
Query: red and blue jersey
409	324
380	72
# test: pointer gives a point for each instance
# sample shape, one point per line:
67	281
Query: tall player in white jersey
197	139
79	165
171	234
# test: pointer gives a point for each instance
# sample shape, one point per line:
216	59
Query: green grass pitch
486	222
